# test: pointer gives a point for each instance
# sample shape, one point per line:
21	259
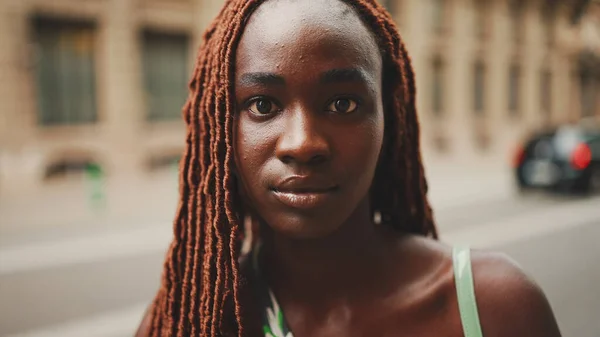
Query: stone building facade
100	83
488	72
80	85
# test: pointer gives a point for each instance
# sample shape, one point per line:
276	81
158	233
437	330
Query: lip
304	192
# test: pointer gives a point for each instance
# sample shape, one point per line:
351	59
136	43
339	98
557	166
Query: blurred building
589	59
489	71
93	83
101	83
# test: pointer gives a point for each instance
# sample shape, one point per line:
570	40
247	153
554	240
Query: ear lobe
377	217
250	234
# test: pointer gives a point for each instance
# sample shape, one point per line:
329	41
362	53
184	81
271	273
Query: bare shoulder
144	328
510	303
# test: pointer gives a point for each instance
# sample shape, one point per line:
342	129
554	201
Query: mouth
303	194
303	200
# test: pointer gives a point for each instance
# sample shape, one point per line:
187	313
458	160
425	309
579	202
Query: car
564	158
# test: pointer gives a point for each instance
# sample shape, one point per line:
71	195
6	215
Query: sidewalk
451	186
66	210
142	225
60	212
491	234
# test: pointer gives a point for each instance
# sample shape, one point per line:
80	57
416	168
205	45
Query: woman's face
309	119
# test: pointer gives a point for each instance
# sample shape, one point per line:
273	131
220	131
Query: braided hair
202	282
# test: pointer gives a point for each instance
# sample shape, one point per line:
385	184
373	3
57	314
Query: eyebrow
344	75
330	76
262	79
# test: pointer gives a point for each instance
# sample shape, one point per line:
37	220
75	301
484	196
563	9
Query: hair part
202	286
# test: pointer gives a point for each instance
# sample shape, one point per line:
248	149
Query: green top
463	276
274	324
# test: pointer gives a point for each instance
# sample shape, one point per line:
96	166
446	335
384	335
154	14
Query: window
514	88
437	88
165	61
65	77
480	24
162	161
438	15
587	94
517	16
72	167
546	92
548	21
595	143
479	88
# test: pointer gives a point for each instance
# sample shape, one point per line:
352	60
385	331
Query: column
19	164
121	103
461	58
532	45
497	94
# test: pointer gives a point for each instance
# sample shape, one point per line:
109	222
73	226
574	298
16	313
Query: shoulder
509	302
144	328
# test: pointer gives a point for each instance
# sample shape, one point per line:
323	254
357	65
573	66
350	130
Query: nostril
306	147
314	160
317	159
287	159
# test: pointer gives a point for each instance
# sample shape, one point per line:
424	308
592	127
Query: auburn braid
202	284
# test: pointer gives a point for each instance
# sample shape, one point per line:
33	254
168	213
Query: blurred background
90	132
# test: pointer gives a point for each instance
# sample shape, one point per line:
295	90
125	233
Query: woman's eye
262	106
343	105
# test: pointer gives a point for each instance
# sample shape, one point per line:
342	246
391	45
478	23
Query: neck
311	268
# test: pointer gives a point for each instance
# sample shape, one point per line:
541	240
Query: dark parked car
566	158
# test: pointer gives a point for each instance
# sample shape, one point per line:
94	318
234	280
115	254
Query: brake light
582	157
519	157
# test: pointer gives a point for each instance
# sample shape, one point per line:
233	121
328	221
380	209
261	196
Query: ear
249	236
251	232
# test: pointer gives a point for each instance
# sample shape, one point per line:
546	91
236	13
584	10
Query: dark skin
308	133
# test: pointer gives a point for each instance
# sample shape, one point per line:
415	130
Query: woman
302	118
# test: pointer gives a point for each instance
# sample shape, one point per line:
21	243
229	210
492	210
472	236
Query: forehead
301	33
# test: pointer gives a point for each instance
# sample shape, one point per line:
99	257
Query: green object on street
95	182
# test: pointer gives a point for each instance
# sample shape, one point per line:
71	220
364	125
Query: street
98	283
110	109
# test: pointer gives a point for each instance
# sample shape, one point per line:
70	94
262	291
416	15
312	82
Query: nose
302	142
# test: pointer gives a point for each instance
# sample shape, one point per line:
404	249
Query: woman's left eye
343	105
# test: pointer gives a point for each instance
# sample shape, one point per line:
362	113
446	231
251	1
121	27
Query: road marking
152	239
445	196
59	253
528	225
123	322
116	323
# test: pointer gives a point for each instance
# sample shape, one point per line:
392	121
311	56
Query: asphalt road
70	292
45	297
566	265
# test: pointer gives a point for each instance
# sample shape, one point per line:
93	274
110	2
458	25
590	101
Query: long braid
223	278
194	233
194	317
402	197
425	215
202	282
228	180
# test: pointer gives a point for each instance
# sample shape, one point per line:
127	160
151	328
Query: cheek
253	147
368	140
362	147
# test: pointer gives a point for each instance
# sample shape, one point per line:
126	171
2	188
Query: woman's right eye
262	106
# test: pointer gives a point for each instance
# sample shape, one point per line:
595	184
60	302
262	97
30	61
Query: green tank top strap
467	305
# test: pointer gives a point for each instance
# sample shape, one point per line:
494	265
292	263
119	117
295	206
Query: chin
306	228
